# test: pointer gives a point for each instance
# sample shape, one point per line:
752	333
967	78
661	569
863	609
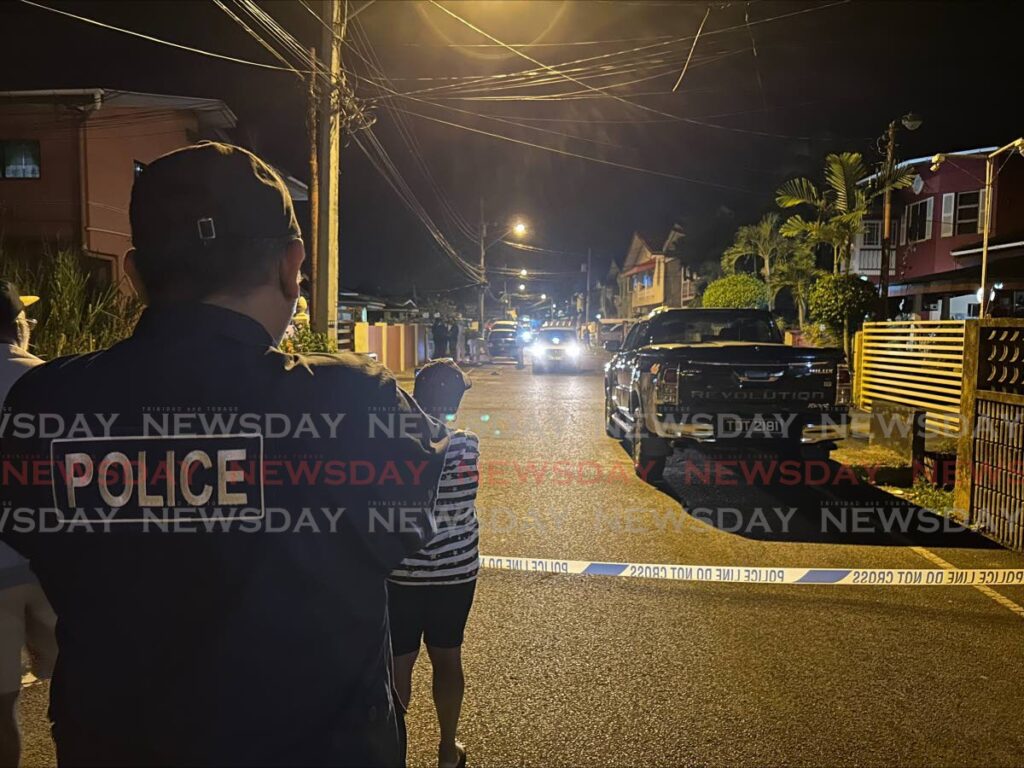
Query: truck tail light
844	389
666	389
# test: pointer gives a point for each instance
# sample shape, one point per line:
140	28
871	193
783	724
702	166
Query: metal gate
990	461
918	363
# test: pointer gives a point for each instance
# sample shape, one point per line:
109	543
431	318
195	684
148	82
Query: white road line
990	593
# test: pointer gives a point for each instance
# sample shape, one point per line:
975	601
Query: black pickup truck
719	375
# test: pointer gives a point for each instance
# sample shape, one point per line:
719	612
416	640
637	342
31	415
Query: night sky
825	80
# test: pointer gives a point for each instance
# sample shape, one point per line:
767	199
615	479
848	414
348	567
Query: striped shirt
453	555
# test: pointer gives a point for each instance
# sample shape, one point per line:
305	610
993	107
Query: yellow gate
918	363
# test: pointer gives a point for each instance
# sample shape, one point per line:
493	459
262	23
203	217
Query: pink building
69	158
937	233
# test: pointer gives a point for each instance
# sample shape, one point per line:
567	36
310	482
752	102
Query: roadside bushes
77	313
739	291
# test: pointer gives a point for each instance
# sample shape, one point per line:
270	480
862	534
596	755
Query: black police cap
209	194
12	303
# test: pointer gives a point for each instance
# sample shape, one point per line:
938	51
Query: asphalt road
595	671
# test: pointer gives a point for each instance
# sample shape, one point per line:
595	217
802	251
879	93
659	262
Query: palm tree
839	206
797	274
764	244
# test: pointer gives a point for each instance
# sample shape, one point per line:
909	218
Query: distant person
430	594
439	330
26	618
454	339
226	619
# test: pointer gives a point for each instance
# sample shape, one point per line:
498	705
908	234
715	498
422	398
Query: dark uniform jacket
221	597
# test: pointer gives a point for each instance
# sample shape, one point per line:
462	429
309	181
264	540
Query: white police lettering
116	470
180	475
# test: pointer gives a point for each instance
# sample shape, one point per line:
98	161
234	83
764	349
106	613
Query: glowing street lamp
522	286
519	229
522	273
543	296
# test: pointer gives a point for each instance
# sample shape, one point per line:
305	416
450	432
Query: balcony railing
868	261
642	297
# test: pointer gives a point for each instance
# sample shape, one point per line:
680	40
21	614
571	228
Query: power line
604	91
693	47
612	163
150	38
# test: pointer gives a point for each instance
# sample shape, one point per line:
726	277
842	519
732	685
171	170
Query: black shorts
437	613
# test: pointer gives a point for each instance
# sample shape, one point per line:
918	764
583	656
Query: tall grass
76	312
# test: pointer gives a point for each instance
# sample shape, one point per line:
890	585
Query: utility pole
312	122
483	258
324	317
883	274
586	298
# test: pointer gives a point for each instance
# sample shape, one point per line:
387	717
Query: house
70	158
649	278
937	223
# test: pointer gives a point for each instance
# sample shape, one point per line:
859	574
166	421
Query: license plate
757	426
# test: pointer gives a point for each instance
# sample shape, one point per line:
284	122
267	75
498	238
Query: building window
137	168
872	234
20	159
919	221
968	210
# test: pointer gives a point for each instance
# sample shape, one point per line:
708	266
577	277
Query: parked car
554	348
719	375
501	341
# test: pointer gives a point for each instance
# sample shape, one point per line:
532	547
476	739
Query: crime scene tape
910	577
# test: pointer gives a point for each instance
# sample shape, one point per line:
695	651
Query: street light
911	122
543	297
522	286
986	214
517	228
522	273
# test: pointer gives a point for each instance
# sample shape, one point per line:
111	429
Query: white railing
868	261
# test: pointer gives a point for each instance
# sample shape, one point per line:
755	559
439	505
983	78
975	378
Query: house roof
979	152
213	114
994	244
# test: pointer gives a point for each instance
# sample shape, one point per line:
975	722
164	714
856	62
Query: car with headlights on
554	348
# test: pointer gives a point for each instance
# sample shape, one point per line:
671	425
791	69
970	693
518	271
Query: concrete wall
47	208
114	140
400	347
86	172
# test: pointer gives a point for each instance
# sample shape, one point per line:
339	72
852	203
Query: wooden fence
918	363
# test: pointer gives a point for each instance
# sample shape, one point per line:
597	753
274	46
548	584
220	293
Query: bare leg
449	686
403	676
10	737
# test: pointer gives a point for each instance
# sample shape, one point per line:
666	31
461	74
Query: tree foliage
841	300
839	205
763	247
739	291
77	312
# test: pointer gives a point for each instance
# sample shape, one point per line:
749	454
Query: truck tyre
611	427
648	465
649	453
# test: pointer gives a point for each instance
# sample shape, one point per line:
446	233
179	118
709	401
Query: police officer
217	528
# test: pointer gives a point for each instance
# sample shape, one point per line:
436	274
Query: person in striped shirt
430	593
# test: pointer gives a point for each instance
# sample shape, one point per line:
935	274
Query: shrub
76	312
304	341
739	291
840	302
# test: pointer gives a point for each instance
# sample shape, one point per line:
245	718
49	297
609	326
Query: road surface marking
984	589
